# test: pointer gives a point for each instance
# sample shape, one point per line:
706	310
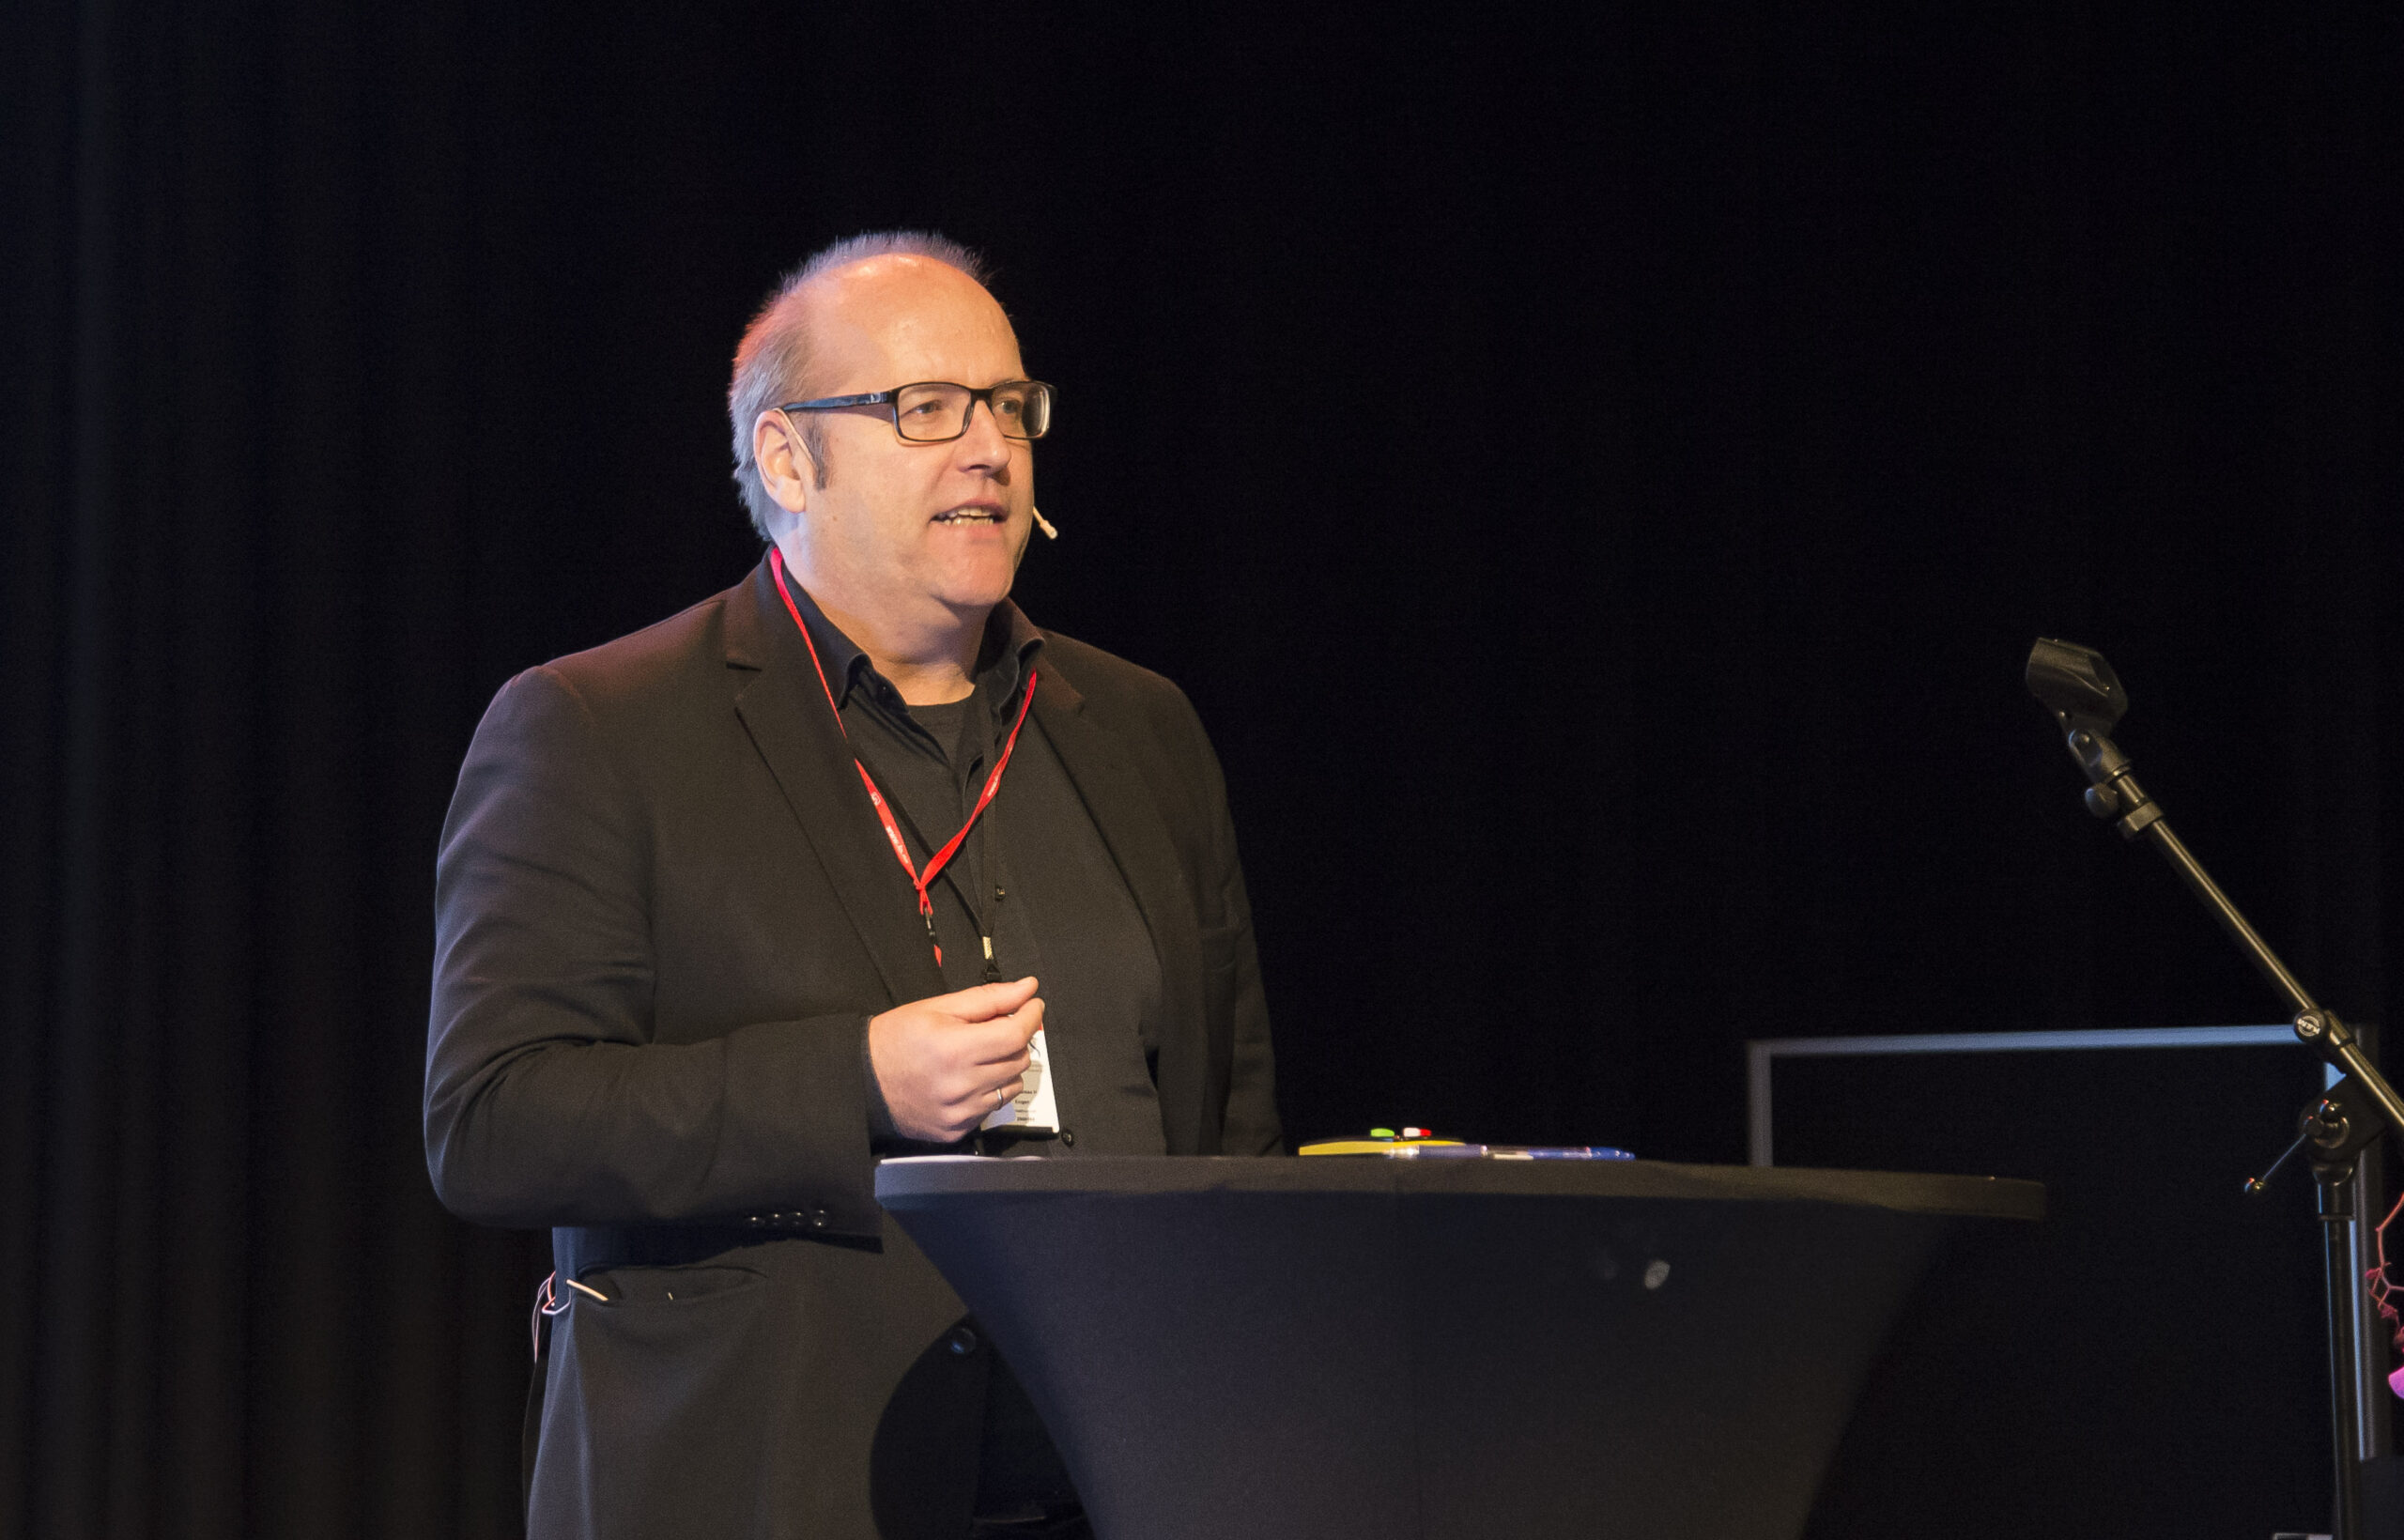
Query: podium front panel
1300	1349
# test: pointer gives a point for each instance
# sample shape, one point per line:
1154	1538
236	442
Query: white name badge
1035	1109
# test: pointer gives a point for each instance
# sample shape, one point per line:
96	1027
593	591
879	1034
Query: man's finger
983	1095
1004	1037
986	1001
981	1101
992	1048
971	1078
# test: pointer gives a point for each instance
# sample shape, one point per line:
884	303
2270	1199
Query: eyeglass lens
934	412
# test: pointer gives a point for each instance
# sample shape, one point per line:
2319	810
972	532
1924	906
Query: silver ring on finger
998	1098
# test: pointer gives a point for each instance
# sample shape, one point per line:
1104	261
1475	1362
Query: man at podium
849	860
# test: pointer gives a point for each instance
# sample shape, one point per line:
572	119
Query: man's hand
946	1062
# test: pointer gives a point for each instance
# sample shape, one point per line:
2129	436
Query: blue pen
1509	1152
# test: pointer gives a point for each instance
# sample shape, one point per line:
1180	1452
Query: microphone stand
2086	698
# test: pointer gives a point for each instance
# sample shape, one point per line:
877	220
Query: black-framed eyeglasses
935	410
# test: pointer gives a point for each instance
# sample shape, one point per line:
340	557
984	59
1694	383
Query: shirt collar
1008	655
1004	658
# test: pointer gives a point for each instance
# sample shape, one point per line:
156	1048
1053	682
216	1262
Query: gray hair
773	359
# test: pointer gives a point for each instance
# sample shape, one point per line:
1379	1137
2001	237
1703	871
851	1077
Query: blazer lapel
785	713
1131	826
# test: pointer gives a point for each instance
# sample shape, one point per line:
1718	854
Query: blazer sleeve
548	1102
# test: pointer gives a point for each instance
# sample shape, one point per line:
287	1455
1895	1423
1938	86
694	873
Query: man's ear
786	468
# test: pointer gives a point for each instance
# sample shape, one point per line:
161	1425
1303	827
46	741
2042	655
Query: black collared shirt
1034	876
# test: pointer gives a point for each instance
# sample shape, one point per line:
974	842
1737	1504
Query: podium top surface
926	1182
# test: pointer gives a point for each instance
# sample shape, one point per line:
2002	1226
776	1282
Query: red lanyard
936	862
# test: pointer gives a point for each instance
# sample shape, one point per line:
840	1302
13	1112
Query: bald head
893	316
822	322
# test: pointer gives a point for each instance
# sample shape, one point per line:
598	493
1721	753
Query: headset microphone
1042	523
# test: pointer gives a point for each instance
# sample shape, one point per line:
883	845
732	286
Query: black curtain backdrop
1597	479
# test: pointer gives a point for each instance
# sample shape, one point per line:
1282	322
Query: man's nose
982	445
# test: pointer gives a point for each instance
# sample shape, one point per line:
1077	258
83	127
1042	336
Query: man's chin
970	593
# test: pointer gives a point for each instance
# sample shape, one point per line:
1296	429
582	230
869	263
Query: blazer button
964	1341
1069	1137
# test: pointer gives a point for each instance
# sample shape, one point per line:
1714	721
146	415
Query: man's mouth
972	513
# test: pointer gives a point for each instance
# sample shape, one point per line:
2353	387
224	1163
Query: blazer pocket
651	1425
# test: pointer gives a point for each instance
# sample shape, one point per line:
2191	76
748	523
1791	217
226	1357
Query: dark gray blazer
664	912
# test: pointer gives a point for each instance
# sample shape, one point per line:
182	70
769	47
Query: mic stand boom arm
2114	793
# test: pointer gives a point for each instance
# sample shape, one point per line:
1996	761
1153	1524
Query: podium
1436	1349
